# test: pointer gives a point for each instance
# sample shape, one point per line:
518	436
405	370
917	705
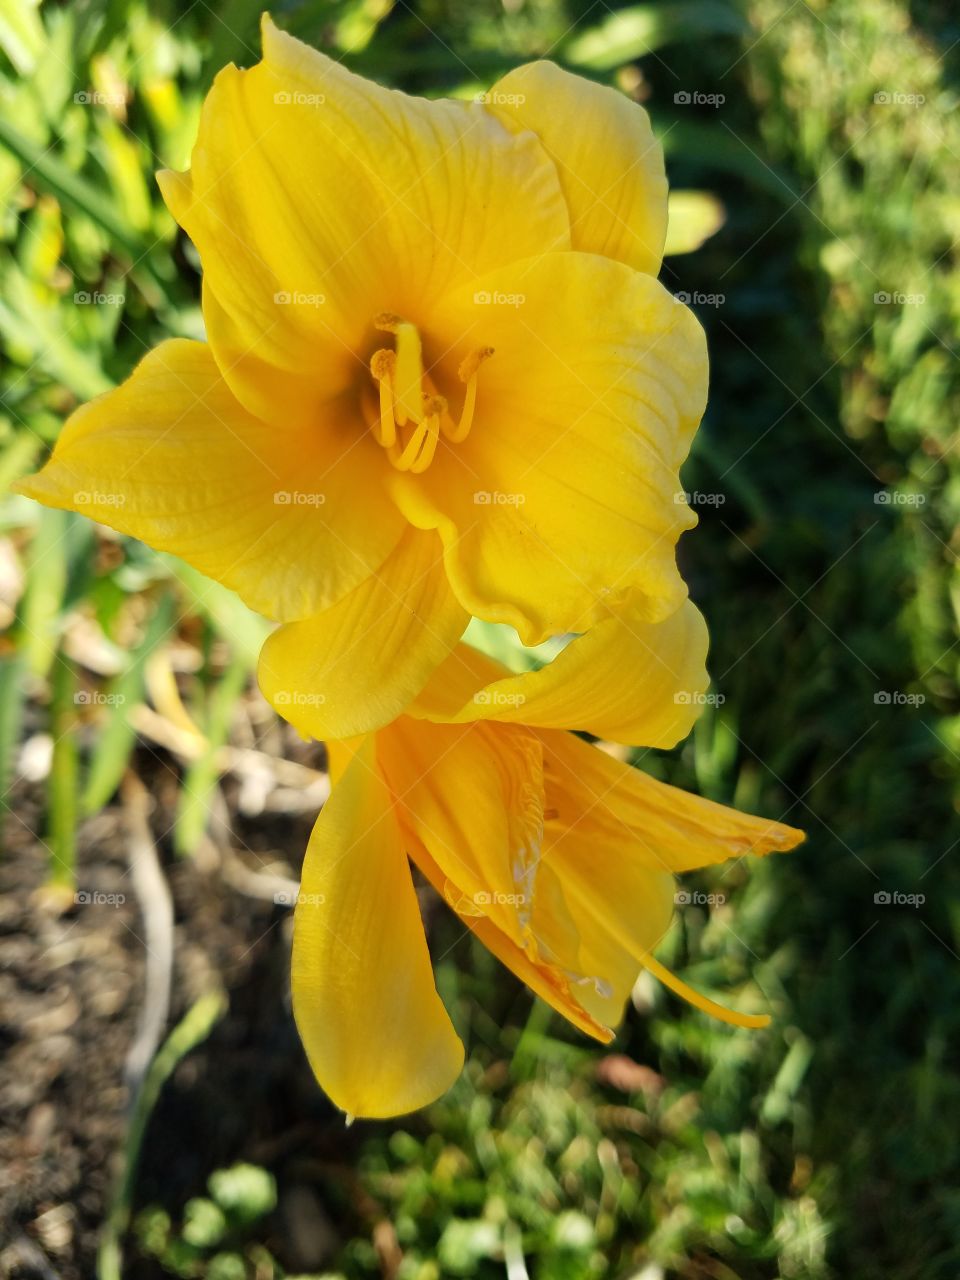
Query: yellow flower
560	858
440	378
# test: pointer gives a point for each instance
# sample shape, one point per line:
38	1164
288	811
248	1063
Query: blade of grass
116	742
194	806
62	787
192	1030
12	699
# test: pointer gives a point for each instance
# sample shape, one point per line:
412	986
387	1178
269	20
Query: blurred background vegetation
817	147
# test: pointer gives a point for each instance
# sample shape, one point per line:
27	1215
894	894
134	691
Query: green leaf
630	33
21	33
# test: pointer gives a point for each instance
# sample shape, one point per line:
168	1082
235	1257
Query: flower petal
377	1035
472	795
610	164
613	839
626	680
562	503
172	458
674	831
356	666
470	803
318	200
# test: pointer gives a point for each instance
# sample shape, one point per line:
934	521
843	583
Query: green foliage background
825	1146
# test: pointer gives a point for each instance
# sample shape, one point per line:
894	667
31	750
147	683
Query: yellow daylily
559	857
440	378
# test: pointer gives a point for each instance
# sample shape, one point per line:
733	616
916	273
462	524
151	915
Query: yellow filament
408	379
701	1002
383	366
419	450
468	373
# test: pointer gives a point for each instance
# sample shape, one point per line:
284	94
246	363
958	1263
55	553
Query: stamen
704	1003
418	452
434	407
407	394
383	366
467	373
408	380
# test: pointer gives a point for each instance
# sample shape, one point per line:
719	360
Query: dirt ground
71	994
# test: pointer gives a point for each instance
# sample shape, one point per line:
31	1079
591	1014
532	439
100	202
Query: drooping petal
470	804
613	839
356	666
375	1031
473	796
318	200
626	680
610	164
543	979
562	504
288	520
673	831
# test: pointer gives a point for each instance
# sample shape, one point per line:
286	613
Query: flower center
412	416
